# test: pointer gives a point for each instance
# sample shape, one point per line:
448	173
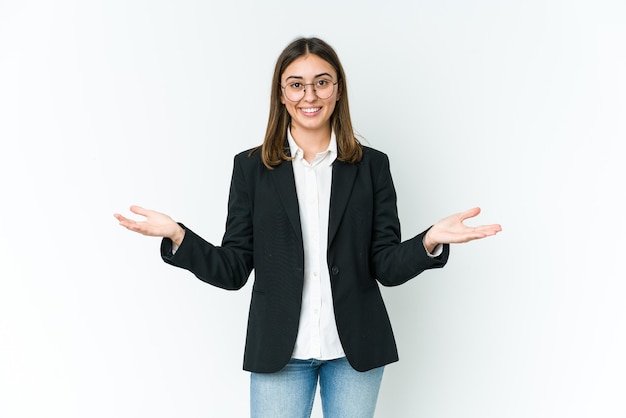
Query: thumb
139	210
470	213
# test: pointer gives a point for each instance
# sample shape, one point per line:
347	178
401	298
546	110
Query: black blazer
263	233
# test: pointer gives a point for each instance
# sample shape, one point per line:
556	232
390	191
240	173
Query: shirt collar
297	152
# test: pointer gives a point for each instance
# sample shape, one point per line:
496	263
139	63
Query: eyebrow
301	78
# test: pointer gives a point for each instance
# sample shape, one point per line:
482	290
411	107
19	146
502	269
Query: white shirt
317	332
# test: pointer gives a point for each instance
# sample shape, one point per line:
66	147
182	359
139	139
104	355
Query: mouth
310	111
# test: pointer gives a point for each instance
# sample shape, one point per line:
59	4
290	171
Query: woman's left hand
451	230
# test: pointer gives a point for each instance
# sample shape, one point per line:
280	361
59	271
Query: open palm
451	230
156	224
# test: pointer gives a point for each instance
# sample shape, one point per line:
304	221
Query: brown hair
273	151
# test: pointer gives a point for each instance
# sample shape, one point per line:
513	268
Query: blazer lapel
342	183
286	186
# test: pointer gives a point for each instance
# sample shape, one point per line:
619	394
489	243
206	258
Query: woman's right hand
156	224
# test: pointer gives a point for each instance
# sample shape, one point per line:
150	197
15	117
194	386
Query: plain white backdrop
518	107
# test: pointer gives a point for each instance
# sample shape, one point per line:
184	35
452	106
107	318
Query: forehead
308	66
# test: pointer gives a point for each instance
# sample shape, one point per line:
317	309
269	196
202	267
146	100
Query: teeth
311	109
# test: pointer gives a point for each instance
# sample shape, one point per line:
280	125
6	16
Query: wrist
429	243
178	236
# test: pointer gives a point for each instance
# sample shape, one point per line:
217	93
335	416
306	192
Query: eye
323	83
295	85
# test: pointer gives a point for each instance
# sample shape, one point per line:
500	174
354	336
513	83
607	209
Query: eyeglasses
323	88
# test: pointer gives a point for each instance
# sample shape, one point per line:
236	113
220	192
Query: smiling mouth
310	109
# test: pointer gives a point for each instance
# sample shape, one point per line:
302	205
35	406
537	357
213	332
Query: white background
518	107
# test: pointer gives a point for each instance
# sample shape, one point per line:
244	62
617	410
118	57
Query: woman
313	212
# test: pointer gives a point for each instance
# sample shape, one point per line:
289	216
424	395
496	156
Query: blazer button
334	270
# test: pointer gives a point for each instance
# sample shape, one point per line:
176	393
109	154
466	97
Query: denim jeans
289	393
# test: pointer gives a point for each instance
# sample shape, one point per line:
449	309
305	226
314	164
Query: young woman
313	212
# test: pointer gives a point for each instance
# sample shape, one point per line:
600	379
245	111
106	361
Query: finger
469	213
139	210
122	219
489	229
127	223
465	237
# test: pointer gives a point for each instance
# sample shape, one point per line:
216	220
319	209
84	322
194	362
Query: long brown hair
273	151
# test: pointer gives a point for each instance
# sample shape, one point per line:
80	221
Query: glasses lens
324	88
294	91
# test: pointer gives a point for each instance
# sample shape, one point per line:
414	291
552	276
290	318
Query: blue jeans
289	393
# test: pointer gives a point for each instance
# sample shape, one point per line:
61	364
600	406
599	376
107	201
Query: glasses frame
304	91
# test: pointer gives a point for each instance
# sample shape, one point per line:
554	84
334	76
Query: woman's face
310	113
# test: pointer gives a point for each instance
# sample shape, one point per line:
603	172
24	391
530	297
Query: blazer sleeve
227	266
394	262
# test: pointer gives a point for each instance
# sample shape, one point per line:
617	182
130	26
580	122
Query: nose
309	93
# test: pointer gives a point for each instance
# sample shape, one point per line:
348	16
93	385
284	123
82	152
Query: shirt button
334	270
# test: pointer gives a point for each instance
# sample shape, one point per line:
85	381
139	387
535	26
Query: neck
311	142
